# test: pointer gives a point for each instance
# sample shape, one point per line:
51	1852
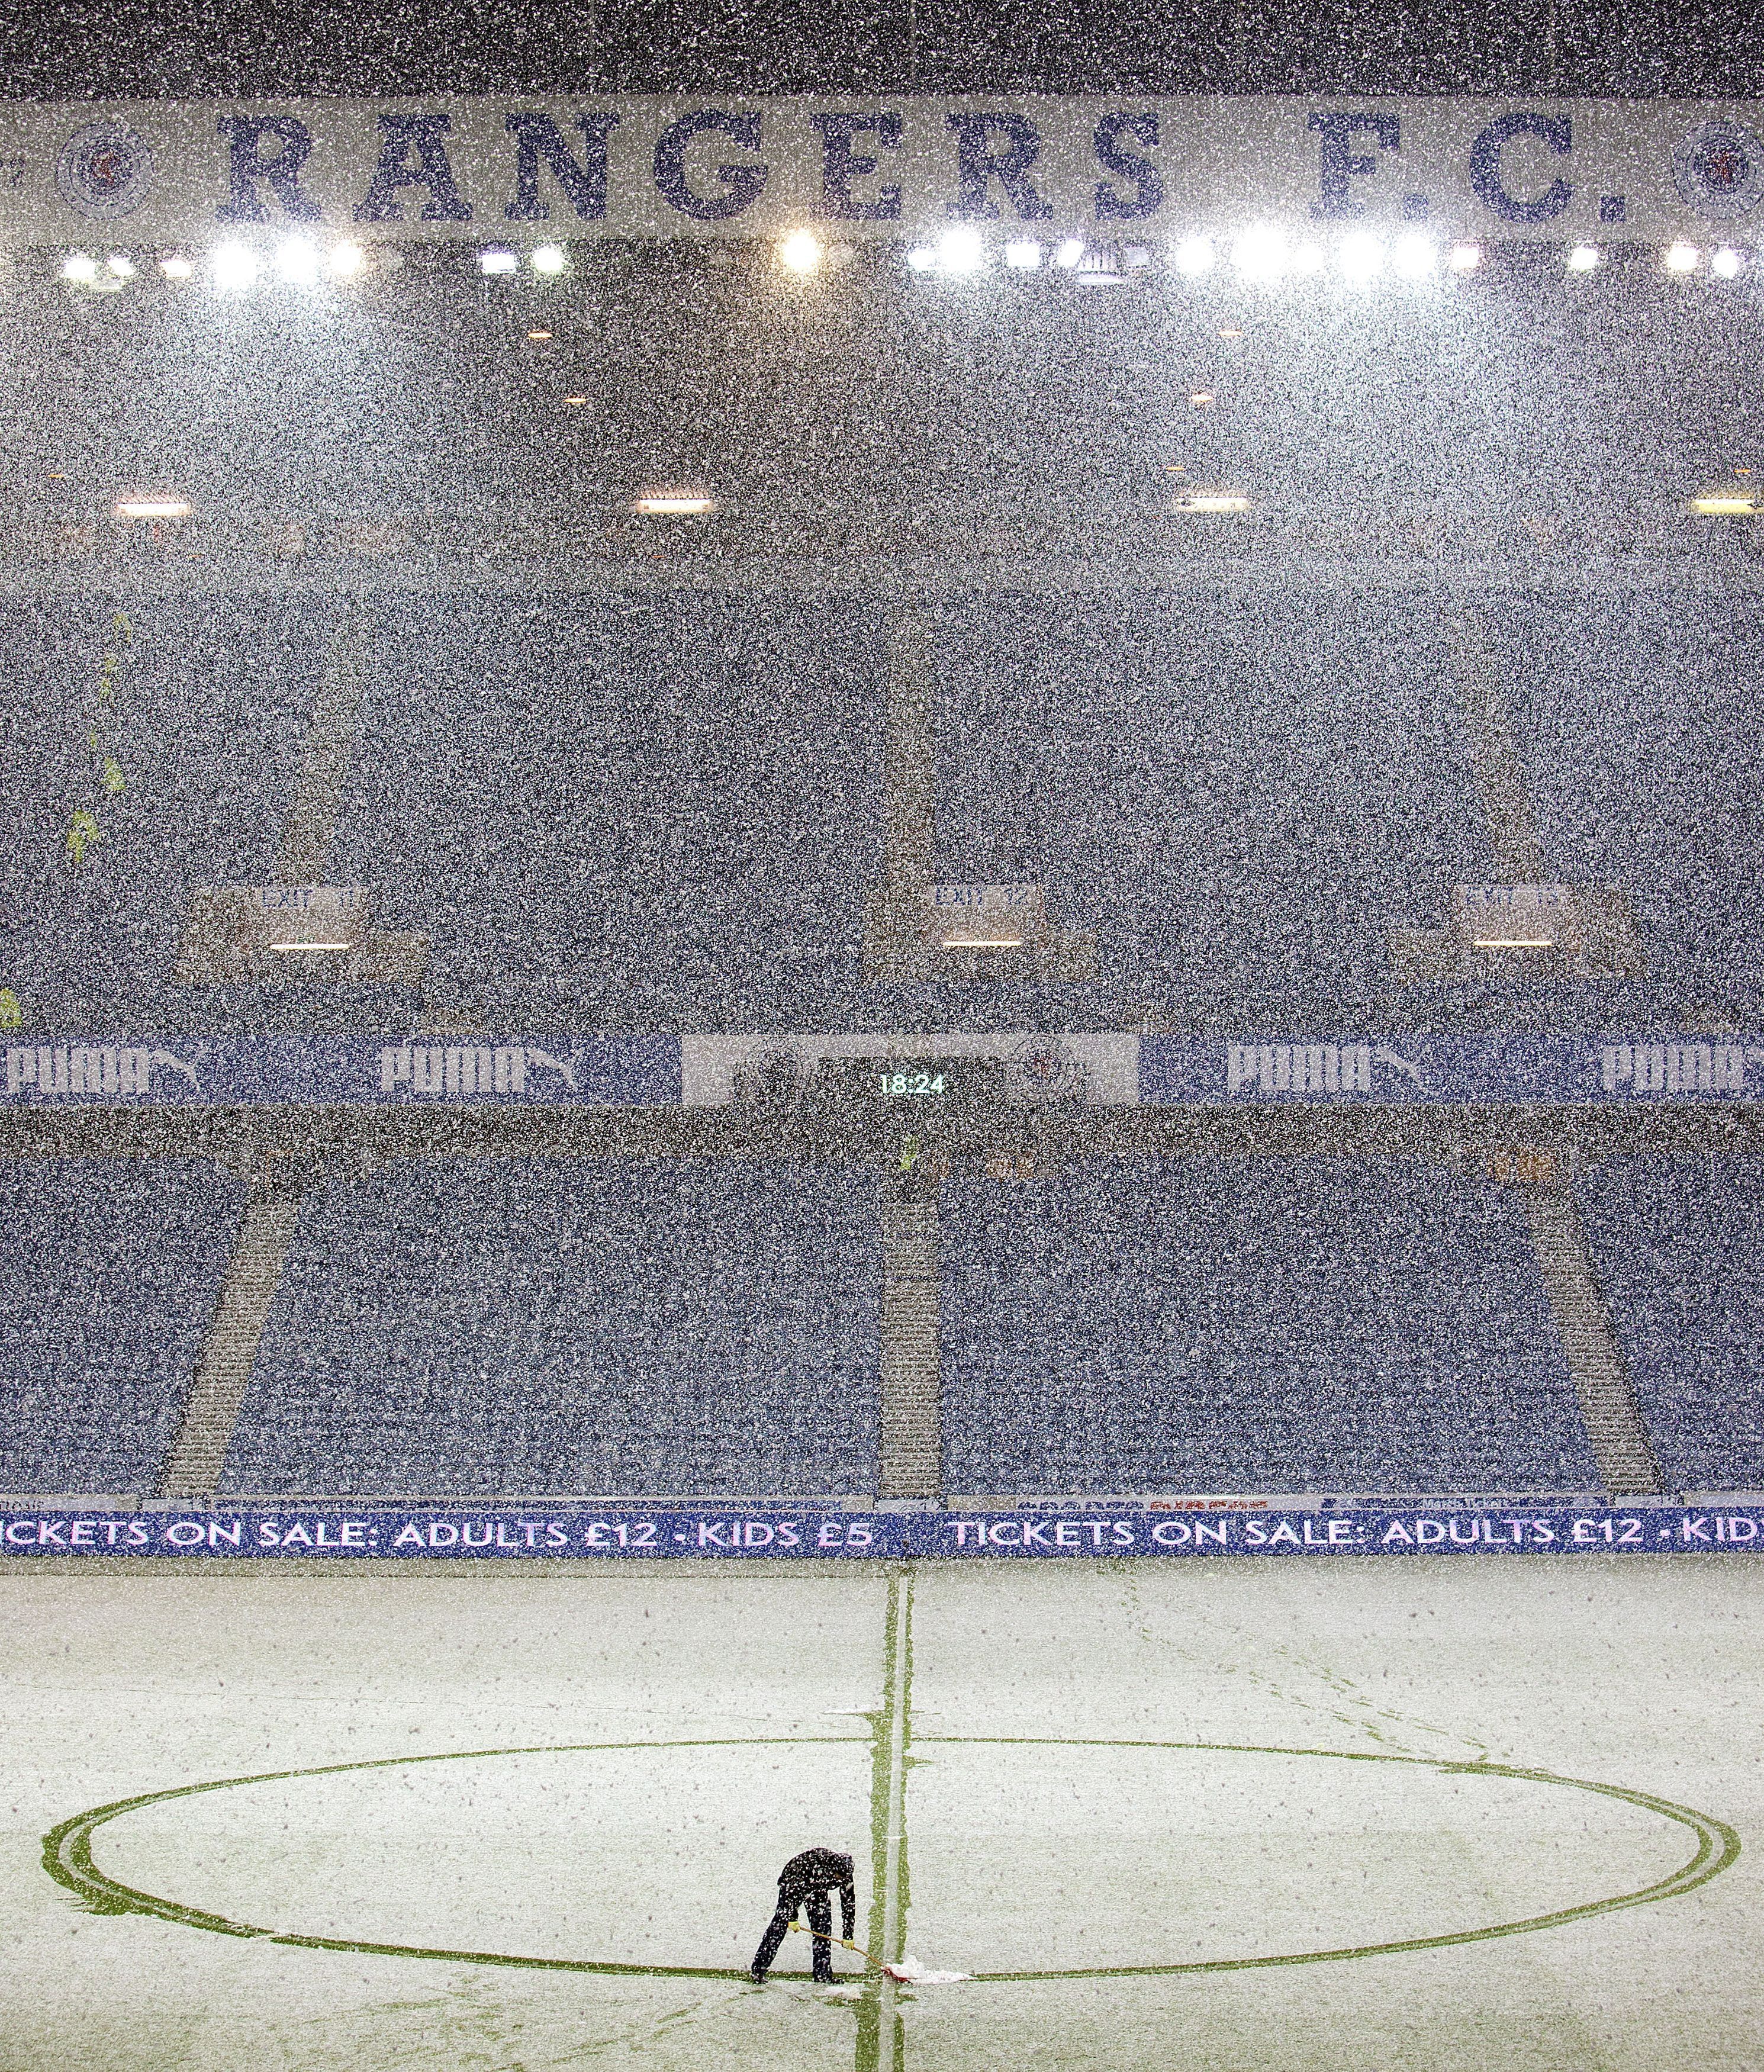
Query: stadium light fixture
921	258
175	267
550	259
1194	256
498	260
541	336
802	252
1360	255
1464	258
79	266
1414	256
1214	500
1024	253
575	402
1681	258
1068	251
1725	263
1726	504
1583	258
1513	942
664	503
234	265
152	507
961	251
347	260
298	262
1201	398
121	266
1260	255
983	942
312	946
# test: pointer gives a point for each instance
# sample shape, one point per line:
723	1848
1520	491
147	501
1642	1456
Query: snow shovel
906	1973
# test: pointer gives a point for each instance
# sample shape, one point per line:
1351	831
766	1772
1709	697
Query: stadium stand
1255	1325
108	1273
212	712
1677	1248
1241	798
552	1326
1640	720
626	810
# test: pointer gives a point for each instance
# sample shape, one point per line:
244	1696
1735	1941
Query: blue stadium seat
109	1272
1254	1324
557	1326
1678	1248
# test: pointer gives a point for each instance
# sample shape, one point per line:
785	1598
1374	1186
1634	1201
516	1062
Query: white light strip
1513	943
983	942
312	946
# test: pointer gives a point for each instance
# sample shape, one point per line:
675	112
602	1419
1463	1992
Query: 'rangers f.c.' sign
877	166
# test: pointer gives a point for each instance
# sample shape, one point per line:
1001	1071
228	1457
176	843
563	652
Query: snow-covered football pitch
1230	1814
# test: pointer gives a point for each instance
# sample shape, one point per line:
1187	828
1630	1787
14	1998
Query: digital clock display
913	1081
911	1085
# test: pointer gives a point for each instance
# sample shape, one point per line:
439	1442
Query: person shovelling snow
810	1880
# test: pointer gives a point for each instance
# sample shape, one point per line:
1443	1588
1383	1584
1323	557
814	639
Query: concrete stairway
1614	1428
912	1375
223	1373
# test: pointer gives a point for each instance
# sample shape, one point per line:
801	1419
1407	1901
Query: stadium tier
542	1327
109	1271
1677	1248
1638	718
1250	1325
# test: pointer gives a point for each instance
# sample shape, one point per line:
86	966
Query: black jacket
819	1870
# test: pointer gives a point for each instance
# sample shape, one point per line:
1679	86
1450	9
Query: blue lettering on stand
977	166
1151	1531
1147	182
1485	166
537	137
740	184
401	135
246	164
1341	164
840	165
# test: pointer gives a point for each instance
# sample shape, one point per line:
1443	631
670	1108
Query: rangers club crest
1719	169
105	170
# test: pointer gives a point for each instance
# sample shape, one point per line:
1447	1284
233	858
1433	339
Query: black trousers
821	1925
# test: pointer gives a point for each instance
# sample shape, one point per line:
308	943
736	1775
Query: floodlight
921	259
801	251
79	266
234	265
498	260
1584	258
121	266
1414	256
1725	503
1068	251
1681	258
175	267
1023	252
1725	263
550	259
1195	257
298	261
1201	398
1212	499
1260	255
152	507
347	260
961	251
675	505
1360	255
1307	259
1464	258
